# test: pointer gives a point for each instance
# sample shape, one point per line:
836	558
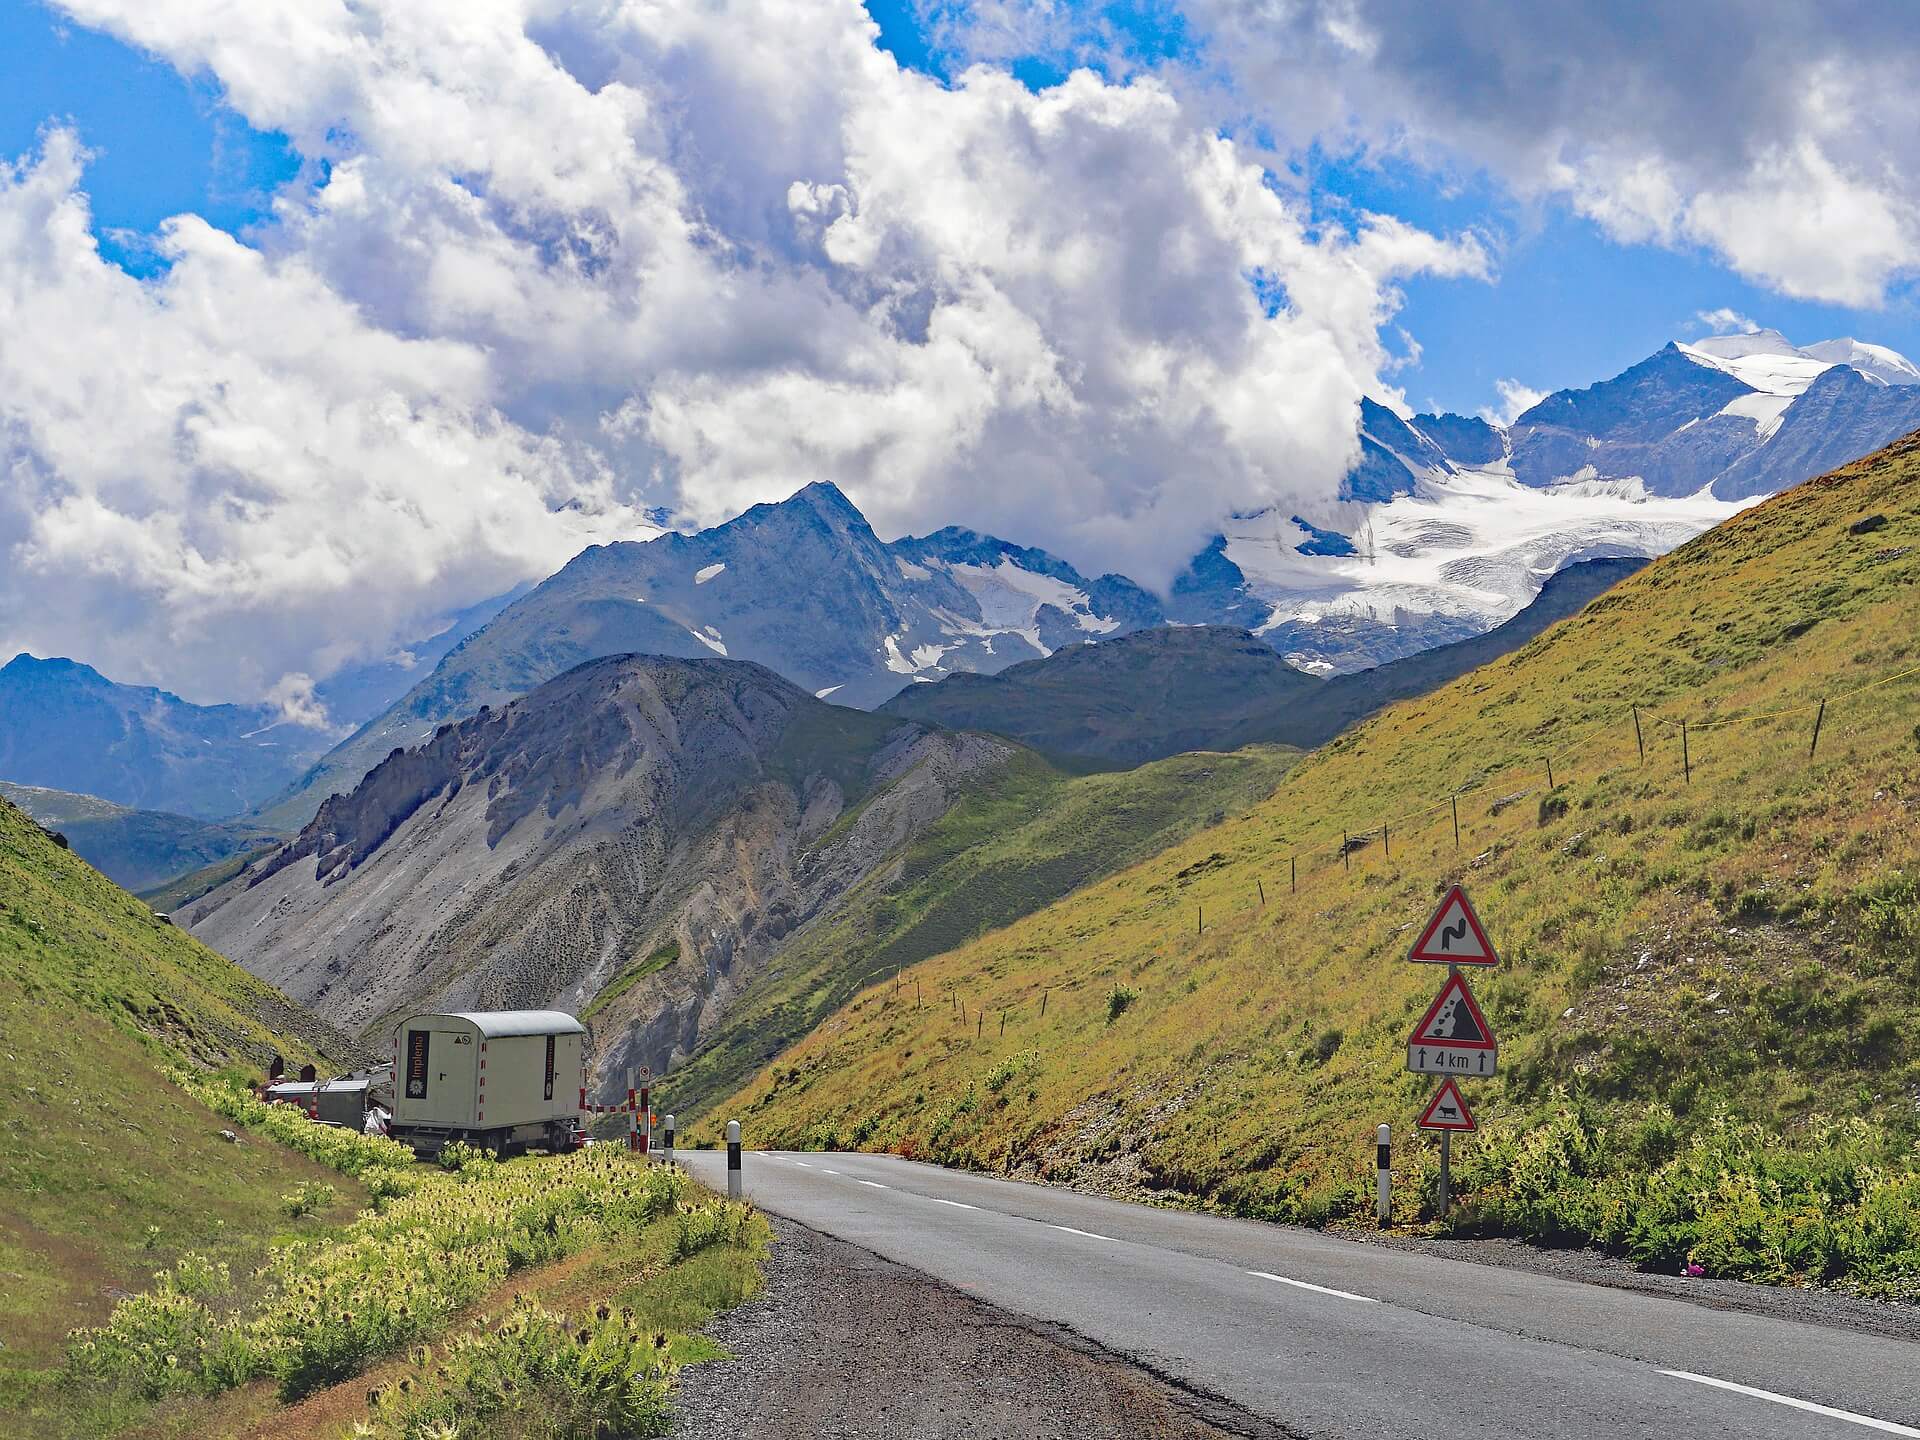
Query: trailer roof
498	1023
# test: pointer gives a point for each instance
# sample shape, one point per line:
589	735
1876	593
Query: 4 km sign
1453	1037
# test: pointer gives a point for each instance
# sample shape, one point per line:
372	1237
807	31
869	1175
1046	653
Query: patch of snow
910	571
707	572
1773	372
822	694
711	639
924	657
1764	410
1473	545
1010	599
1874	360
1771	363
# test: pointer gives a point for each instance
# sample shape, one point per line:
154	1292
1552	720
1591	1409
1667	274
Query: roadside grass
1008	847
108	1170
1717	973
451	1286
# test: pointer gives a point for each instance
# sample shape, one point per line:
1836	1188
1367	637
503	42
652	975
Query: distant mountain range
65	726
1160	692
136	849
803	587
1449	524
1449	527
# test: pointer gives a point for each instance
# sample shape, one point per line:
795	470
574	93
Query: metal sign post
1453	1038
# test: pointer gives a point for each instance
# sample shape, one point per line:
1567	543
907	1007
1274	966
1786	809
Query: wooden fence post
1638	738
1686	761
1263	893
1814	748
1454	801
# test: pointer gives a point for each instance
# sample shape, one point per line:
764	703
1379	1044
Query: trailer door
437	1085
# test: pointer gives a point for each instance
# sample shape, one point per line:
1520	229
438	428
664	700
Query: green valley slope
1712	954
1006	849
108	1170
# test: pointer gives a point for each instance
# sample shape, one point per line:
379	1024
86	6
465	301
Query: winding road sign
1453	936
1453	1037
1447	1110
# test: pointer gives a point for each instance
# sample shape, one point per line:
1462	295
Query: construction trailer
501	1079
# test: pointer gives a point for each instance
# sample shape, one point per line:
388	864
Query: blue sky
1568	306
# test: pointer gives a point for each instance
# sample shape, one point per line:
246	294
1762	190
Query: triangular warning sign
1447	1110
1453	1021
1454	936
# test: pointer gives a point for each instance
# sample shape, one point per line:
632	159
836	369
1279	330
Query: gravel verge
843	1345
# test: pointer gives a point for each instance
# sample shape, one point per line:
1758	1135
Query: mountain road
1325	1337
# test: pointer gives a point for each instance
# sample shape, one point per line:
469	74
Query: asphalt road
1328	1338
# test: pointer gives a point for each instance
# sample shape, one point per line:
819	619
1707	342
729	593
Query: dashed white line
1088	1233
1318	1289
956	1204
875	1184
825	1171
803	1164
1885	1426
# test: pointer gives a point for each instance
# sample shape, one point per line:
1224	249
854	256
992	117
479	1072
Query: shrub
1326	1045
603	1377
1119	1000
309	1197
348	1151
327	1307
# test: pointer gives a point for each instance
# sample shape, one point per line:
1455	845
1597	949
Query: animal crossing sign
1447	1111
1453	936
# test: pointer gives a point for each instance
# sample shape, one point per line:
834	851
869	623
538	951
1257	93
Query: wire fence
1318	852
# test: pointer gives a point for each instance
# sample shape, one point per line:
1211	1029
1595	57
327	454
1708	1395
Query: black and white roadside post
1453	1038
1383	1154
668	1136
733	1159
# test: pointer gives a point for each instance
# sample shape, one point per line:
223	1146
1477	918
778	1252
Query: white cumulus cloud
1515	400
564	261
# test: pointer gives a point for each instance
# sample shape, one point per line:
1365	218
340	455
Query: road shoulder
842	1343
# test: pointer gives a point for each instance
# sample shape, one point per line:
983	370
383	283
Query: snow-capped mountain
1449	525
804	587
1446	527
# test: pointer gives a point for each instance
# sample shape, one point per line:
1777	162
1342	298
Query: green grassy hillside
107	1170
1003	851
1711	985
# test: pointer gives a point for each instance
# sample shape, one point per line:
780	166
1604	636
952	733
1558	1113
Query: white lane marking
874	1183
803	1164
1886	1426
1088	1233
763	1154
956	1204
825	1171
1317	1289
